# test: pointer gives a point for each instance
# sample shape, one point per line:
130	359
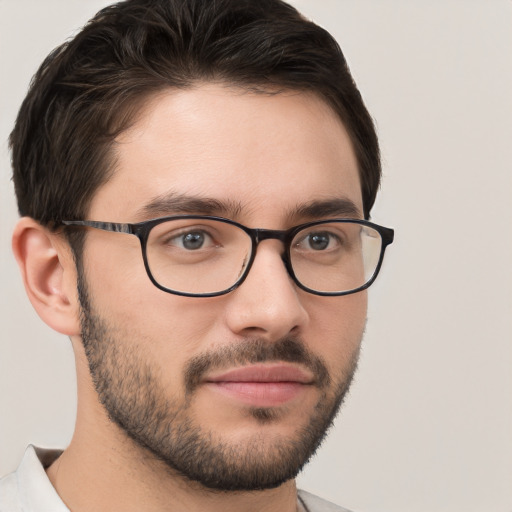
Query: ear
49	275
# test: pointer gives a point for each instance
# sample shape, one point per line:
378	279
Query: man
195	181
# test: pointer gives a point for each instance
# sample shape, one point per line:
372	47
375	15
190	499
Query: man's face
234	391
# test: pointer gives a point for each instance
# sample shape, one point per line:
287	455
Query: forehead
258	152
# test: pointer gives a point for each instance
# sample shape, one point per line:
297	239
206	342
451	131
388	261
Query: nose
268	303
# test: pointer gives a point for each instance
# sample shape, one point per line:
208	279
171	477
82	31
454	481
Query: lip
261	385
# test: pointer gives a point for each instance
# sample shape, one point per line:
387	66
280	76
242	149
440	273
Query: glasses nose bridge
259	235
270	234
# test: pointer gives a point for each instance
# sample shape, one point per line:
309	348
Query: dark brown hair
89	89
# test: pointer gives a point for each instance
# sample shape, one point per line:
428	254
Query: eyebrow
176	204
335	207
182	204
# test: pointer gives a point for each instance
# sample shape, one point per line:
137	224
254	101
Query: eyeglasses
204	256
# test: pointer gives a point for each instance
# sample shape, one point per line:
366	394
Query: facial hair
130	390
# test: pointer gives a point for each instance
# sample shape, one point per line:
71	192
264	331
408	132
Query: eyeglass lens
203	256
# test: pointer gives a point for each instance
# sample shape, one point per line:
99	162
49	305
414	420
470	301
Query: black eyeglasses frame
142	229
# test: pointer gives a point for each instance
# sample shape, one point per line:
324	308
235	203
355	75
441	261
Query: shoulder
313	503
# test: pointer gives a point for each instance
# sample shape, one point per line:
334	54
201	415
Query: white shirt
28	489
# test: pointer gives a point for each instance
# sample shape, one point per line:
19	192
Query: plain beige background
428	424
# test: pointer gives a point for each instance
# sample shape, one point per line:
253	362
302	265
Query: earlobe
49	275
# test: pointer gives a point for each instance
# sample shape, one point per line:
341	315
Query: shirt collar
35	489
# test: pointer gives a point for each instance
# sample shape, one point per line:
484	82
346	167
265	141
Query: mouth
262	385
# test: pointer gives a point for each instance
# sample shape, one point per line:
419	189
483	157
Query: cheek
337	326
168	326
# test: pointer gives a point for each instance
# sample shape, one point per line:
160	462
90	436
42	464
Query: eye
318	241
191	240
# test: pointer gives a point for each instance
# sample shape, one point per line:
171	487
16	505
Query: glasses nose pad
286	261
243	267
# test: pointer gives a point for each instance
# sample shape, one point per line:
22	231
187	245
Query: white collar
36	492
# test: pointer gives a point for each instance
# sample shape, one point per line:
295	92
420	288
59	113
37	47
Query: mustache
252	351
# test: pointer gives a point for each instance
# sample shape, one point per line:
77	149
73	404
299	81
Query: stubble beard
129	389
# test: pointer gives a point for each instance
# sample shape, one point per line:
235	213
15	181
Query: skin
273	154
